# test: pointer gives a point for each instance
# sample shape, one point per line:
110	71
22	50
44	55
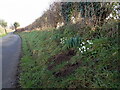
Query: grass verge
48	63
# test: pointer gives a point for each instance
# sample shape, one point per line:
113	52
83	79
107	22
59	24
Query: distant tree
12	27
4	25
16	25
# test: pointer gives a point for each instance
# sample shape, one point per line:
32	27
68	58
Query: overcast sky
22	11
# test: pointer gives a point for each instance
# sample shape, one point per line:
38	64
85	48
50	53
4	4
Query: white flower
88	48
83	47
80	44
83	42
84	50
89	42
62	42
81	51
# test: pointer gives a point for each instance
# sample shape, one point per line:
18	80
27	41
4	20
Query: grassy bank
70	57
2	35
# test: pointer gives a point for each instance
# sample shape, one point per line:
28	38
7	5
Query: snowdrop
83	47
83	42
84	50
89	42
88	48
62	40
80	44
79	49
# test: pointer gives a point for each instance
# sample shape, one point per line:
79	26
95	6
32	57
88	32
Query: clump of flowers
76	42
62	40
83	47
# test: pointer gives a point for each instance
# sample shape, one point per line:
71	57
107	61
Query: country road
11	48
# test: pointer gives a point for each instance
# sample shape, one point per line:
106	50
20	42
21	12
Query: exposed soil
58	59
68	69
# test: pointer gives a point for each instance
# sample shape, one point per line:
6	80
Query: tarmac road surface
11	49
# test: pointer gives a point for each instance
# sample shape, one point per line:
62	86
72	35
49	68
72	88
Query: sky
23	11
